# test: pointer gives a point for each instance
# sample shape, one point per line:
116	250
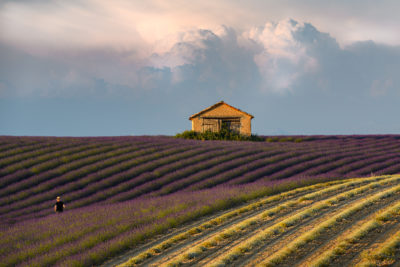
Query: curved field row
385	253
34	152
14	180
34	177
71	185
150	182
283	229
231	169
82	160
356	238
79	238
9	150
120	192
86	165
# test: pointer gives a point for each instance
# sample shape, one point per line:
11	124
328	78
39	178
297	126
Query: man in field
59	206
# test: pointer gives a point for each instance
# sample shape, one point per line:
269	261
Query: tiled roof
216	105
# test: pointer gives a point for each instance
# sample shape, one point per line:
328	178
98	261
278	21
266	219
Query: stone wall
223	111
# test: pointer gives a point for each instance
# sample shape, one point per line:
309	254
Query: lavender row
45	199
65	165
391	169
347	145
11	149
114	228
77	169
269	167
298	170
353	167
121	182
287	169
42	163
87	195
272	166
92	226
37	154
8	156
363	154
332	165
375	167
153	185
75	178
221	168
85	192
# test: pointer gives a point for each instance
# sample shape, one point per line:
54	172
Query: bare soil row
293	228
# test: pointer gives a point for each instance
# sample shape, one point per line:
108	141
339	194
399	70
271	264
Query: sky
112	68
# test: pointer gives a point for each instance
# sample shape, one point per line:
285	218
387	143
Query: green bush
224	134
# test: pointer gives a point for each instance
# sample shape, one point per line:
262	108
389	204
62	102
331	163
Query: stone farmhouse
213	117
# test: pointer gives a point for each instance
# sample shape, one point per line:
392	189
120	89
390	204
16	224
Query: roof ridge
214	106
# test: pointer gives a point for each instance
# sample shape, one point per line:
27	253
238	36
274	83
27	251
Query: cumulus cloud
284	57
272	52
208	57
292	73
281	58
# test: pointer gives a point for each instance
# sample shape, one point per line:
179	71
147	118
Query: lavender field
121	191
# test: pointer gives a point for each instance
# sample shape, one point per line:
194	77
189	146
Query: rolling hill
121	192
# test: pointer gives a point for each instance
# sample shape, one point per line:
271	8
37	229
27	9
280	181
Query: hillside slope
122	191
91	170
347	223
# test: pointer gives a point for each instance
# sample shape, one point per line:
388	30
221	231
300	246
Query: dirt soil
273	244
